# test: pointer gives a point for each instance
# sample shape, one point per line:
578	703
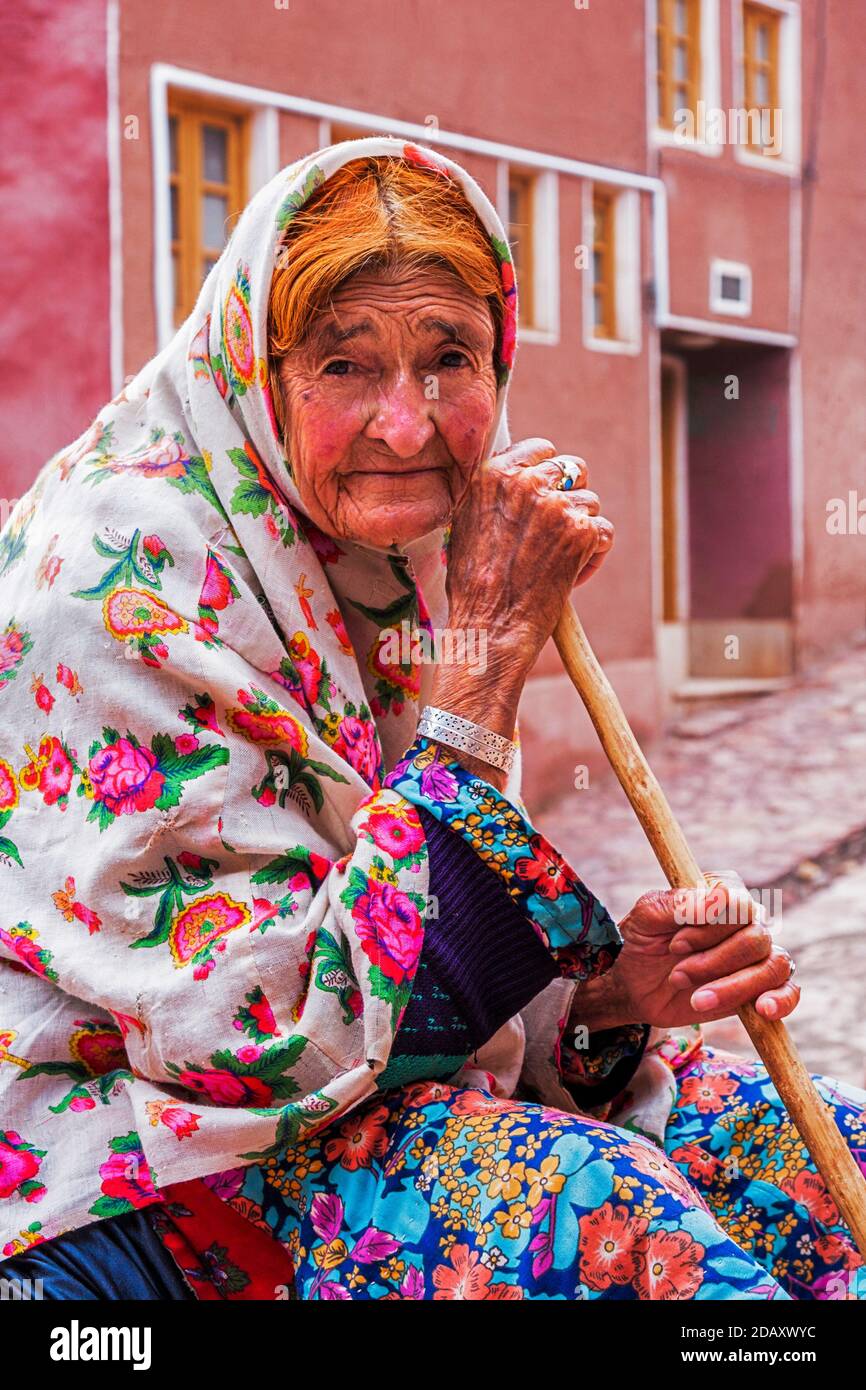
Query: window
521	218
761	28
604	324
208	156
528	204
610	260
678	39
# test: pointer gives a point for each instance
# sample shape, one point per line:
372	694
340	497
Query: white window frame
264	162
545	250
627	279
788	161
710	84
718	305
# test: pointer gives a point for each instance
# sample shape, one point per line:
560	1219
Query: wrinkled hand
519	544
669	974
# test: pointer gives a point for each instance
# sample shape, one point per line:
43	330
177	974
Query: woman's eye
339	368
454	358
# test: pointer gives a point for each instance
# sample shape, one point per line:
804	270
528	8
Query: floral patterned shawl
197	720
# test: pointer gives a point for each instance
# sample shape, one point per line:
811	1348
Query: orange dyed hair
376	212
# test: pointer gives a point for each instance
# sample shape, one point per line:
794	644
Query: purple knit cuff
480	947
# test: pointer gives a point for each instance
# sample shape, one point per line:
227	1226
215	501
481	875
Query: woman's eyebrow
331	333
459	330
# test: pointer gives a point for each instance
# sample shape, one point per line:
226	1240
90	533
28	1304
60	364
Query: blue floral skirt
438	1192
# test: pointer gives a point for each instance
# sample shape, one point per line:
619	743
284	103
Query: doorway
674	550
725	551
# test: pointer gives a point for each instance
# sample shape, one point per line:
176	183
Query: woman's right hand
519	545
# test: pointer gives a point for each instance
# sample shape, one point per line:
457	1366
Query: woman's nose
402	418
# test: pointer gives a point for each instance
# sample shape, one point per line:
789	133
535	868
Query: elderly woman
296	1002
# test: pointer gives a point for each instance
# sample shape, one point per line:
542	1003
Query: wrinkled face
389	403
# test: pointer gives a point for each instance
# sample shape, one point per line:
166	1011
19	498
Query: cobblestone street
774	787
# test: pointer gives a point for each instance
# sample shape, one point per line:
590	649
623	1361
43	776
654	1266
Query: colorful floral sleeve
533	881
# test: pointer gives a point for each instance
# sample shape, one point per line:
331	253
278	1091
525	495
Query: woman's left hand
669	974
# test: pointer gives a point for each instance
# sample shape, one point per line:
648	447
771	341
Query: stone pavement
774	787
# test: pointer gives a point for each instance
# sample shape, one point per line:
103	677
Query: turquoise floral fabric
440	1192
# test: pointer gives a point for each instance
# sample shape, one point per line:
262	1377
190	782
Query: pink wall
54	350
719	211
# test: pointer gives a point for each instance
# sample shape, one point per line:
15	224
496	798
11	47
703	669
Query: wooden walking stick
810	1114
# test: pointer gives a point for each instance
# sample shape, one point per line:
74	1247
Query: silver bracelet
462	734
